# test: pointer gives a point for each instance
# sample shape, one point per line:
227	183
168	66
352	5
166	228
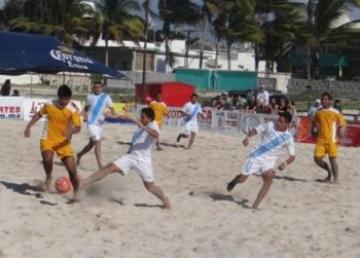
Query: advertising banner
11	108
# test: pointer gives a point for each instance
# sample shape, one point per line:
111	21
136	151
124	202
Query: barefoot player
262	159
138	158
63	120
160	110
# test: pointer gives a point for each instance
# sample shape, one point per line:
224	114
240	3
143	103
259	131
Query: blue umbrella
21	53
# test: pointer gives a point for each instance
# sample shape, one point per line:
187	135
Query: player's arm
34	119
342	124
152	132
251	133
287	162
85	110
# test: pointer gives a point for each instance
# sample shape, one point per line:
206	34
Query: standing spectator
16	93
6	88
314	108
293	111
262	99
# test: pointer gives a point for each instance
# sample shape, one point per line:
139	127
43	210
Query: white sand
118	218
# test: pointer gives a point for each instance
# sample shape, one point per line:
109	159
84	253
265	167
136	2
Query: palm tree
176	12
117	22
280	23
10	10
235	22
320	31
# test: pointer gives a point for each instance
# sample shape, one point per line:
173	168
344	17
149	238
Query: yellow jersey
59	120
328	121
160	110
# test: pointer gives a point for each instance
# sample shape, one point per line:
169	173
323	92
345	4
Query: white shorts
95	132
131	162
258	166
191	128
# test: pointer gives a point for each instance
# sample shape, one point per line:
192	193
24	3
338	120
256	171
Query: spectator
262	99
274	107
251	107
283	107
293	111
314	108
16	93
6	88
337	105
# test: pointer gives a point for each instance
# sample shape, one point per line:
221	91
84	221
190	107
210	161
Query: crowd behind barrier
231	122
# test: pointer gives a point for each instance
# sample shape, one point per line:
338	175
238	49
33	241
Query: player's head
97	87
194	97
284	121
158	97
147	116
326	100
64	95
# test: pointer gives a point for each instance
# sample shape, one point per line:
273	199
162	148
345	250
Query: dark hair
326	94
287	116
194	95
292	102
64	92
98	82
149	113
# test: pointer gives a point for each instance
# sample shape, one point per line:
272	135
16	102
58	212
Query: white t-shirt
263	98
97	105
272	142
142	143
192	111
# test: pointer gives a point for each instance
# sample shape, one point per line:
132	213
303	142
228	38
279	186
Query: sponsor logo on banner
11	108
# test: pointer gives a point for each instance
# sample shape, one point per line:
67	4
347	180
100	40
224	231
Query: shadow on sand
145	205
23	188
289	178
223	197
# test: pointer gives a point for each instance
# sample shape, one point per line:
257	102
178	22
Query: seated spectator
262	99
251	107
283	107
16	93
274	107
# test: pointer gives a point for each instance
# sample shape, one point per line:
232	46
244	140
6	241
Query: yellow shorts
62	149
321	149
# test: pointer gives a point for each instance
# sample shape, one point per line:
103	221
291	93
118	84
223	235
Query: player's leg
85	150
155	190
100	174
98	153
237	179
267	182
333	161
320	152
47	157
158	147
70	165
191	140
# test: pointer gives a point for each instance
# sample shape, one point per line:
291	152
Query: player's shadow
173	145
23	188
289	178
123	143
145	205
223	197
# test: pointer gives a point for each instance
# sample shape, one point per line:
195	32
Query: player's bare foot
46	185
167	204
232	183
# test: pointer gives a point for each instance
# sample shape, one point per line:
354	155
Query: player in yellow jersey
62	121
328	122
161	110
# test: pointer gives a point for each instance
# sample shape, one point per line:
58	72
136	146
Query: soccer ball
63	185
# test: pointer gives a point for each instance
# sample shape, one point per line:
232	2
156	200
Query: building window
149	61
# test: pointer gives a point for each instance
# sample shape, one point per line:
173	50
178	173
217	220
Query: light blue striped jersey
97	105
272	142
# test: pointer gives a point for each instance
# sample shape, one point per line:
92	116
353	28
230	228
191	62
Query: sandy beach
301	217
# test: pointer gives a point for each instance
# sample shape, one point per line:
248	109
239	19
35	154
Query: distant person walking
327	121
6	88
96	103
161	110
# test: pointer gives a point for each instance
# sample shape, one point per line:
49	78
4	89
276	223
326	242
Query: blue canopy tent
22	53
